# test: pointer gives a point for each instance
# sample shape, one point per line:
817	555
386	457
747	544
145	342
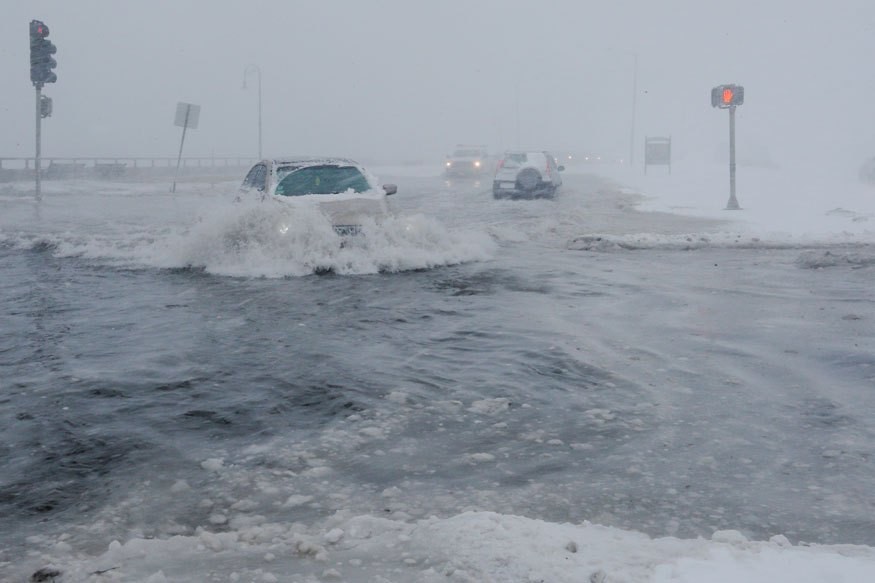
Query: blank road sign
187	115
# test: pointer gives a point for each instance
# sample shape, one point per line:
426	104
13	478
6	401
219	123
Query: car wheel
528	179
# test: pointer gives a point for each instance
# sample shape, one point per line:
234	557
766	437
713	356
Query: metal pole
181	142
516	93
259	113
248	69
38	143
634	107
732	205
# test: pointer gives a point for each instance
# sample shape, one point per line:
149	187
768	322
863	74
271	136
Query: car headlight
449	164
477	163
283	228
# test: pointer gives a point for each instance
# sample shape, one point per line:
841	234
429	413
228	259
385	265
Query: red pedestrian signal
724	96
38	29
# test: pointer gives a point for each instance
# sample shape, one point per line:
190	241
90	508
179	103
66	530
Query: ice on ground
465	548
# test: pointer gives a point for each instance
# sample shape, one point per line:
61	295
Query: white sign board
187	115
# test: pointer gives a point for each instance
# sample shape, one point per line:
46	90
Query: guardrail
22	168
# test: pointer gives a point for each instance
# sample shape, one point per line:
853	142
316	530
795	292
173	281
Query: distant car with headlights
527	174
467	161
340	188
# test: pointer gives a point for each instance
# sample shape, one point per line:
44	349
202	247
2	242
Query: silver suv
527	174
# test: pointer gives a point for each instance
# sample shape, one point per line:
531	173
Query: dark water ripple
565	392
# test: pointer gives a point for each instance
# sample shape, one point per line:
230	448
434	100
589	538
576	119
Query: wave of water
258	240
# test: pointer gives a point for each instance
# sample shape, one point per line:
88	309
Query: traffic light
41	51
45	106
724	96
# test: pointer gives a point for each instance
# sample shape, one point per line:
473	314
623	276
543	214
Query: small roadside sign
187	115
657	151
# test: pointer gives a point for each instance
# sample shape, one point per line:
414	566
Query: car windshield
467	153
284	171
326	179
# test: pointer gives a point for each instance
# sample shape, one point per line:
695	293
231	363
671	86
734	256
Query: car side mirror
390	189
561	168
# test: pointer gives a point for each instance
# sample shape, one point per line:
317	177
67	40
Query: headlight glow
477	163
449	163
284	228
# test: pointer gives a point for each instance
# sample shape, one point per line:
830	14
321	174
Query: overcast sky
408	79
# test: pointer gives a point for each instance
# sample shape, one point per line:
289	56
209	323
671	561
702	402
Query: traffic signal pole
36	162
41	65
732	205
729	97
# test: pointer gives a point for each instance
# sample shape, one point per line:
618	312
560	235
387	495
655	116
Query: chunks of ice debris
781	541
333	536
213	464
397	397
180	486
244	505
296	500
477	458
599	416
218	518
571	547
490	406
391	492
374	432
728	536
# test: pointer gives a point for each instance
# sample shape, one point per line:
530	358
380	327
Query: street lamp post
634	107
246	71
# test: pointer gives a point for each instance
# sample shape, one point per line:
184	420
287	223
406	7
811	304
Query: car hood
351	211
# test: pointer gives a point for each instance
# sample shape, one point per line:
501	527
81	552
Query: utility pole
634	108
246	71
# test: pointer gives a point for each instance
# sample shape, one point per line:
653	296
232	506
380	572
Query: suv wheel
528	179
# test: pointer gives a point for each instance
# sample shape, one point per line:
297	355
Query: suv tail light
500	165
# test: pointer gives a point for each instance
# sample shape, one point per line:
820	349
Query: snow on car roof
314	160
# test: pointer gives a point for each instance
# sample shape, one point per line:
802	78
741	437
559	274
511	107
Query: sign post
729	97
187	116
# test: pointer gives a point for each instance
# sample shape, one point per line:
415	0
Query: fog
397	80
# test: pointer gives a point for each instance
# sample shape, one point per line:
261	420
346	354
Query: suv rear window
515	159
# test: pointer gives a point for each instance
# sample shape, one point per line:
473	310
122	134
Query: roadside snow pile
473	547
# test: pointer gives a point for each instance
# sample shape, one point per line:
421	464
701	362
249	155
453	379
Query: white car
340	188
526	174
